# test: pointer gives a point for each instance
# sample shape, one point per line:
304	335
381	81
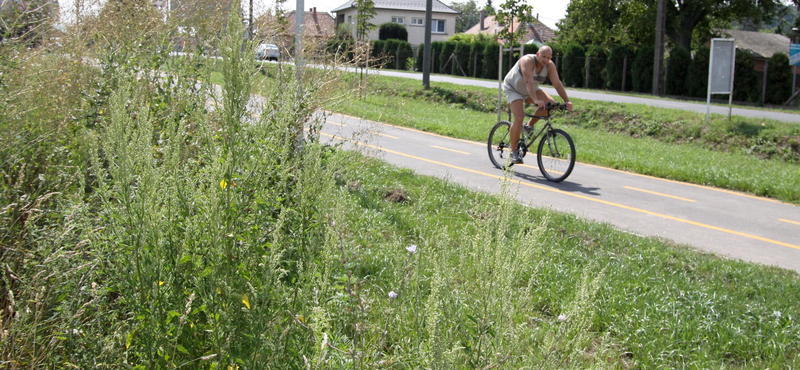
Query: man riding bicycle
521	85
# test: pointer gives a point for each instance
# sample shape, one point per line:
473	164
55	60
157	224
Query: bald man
522	85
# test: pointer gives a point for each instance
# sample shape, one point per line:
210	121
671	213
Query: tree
609	22
469	15
489	8
366	11
512	15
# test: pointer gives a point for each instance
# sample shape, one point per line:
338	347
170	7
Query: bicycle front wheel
556	155
500	144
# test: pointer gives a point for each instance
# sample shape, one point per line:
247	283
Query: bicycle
556	151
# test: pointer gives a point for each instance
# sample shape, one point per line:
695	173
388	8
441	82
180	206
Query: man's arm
553	74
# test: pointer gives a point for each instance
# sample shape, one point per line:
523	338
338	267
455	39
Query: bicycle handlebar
551	106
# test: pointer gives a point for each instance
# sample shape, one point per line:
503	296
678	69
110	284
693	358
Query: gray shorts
512	94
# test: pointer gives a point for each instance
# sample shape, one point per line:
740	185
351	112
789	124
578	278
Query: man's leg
545	97
518	111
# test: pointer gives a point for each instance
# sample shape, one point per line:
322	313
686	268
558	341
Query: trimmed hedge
404	51
697	76
596	57
395	31
390	52
677	70
490	60
462	54
476	58
449	49
573	69
745	78
436	52
614	68
643	70
530	49
779	79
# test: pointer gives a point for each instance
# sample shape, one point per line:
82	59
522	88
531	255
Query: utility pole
426	58
658	61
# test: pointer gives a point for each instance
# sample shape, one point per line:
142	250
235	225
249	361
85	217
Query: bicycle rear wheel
556	155
500	144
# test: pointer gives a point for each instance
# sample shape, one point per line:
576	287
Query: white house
410	13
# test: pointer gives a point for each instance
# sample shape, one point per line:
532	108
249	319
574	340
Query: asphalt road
609	97
728	223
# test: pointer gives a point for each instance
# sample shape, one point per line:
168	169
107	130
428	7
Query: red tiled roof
535	30
323	25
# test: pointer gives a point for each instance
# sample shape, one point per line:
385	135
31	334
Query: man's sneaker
515	159
527	128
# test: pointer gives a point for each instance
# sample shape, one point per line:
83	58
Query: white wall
416	33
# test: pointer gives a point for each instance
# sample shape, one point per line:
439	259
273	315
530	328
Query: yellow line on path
789	221
384	135
617	205
335	123
448	149
661	194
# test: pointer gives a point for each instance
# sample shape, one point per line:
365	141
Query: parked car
268	51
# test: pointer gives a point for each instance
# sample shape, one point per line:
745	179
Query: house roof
762	44
536	30
418	5
320	24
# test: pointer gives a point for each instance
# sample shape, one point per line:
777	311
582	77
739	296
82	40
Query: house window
399	20
437	26
349	19
417	21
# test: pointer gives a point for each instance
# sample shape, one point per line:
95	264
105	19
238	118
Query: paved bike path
724	222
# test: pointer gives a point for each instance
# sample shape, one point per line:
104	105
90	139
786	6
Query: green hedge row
686	72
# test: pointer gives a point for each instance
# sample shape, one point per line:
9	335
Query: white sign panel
723	54
720	72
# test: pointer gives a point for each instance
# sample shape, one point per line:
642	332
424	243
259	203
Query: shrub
476	58
462	54
620	60
436	52
390	51
405	53
597	57
573	70
444	57
530	49
420	57
697	75
677	70
745	79
643	70
779	79
395	31
558	57
490	60
377	48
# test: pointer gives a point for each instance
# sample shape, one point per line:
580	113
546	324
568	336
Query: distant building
320	25
535	31
409	13
762	45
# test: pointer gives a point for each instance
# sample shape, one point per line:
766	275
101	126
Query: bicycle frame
529	138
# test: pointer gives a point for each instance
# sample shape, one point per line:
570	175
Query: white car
268	51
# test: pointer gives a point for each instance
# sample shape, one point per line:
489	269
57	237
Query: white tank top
517	81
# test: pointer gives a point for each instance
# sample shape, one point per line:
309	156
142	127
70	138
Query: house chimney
483	18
